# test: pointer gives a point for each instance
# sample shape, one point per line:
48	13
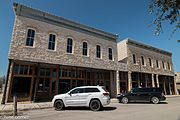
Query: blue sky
127	18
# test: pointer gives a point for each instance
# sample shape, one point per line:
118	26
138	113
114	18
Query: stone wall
40	53
139	51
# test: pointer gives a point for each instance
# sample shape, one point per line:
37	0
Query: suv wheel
125	100
95	105
59	105
155	100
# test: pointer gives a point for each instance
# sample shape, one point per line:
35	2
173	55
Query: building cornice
148	47
28	12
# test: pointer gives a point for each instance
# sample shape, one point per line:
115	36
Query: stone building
50	55
147	66
177	76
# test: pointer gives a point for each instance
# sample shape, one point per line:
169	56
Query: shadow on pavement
88	109
109	108
146	103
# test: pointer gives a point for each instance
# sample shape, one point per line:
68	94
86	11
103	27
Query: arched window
150	62
157	63
30	37
85	48
134	58
110	52
52	41
98	51
69	45
142	60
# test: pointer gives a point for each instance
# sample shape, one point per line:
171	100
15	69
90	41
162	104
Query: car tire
124	100
155	100
59	105
95	105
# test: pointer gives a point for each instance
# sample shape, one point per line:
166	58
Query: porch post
129	81
157	79
153	84
117	82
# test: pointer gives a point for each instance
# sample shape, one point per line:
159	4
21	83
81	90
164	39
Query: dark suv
153	95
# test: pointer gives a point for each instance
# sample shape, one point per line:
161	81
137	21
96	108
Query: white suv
95	97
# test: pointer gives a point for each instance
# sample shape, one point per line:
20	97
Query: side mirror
69	94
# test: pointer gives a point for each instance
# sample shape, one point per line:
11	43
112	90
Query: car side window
89	90
78	90
134	91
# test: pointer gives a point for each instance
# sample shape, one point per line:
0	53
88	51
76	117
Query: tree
165	10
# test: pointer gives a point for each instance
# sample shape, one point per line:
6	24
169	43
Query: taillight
106	94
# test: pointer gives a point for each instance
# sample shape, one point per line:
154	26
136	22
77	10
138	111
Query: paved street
169	110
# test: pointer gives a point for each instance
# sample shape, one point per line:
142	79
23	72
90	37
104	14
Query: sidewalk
25	106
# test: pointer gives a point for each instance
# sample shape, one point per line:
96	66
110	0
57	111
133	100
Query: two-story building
49	55
147	66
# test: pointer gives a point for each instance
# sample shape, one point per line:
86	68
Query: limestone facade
142	60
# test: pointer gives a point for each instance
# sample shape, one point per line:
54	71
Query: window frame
87	49
30	28
163	64
150	62
110	54
72	46
143	61
100	52
169	66
134	59
51	42
157	64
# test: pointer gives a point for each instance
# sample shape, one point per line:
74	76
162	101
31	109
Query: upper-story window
69	45
150	62
142	60
169	67
98	51
134	58
163	64
30	37
52	41
157	63
110	52
85	49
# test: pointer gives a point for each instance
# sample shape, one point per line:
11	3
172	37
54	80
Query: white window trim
87	48
144	60
55	41
158	64
35	34
151	62
72	45
112	54
100	51
135	59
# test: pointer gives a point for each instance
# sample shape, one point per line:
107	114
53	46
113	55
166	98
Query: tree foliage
165	10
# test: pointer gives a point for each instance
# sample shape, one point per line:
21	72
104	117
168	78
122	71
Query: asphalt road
169	110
